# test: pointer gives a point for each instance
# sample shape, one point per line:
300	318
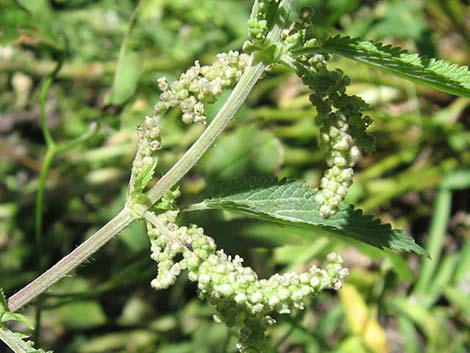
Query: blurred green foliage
113	52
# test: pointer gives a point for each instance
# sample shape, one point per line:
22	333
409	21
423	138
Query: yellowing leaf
362	321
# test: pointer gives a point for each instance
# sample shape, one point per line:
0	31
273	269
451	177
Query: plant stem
69	262
50	154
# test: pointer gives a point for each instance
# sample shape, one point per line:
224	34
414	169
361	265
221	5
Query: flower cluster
342	129
258	24
166	245
149	142
200	85
342	156
342	125
240	298
197	86
261	23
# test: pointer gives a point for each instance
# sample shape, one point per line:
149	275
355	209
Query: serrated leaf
83	314
144	178
6	315
9	316
438	74
289	202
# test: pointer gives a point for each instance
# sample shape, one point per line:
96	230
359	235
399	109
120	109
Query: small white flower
204	278
256	297
162	83
273	301
258	308
240	298
226	289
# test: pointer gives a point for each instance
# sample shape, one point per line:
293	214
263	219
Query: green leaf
127	74
6	315
84	314
434	73
292	203
9	316
144	178
400	19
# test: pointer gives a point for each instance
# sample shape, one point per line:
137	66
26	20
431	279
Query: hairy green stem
69	262
155	221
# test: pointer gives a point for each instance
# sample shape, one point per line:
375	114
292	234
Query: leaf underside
292	203
438	74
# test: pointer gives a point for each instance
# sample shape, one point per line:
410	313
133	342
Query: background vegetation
112	53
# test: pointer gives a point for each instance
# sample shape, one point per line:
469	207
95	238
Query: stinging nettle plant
278	35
